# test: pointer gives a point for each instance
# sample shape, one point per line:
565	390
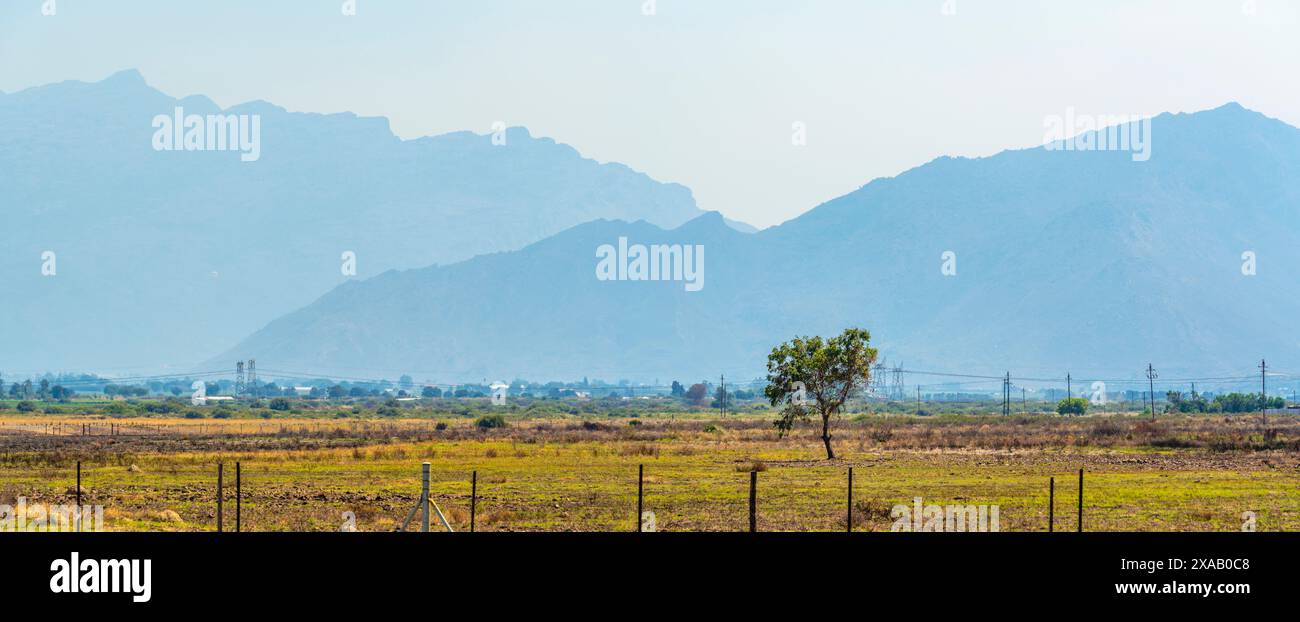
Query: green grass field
1182	474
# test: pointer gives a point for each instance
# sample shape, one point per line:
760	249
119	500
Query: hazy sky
703	92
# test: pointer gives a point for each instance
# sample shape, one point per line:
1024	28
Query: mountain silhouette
164	258
1065	261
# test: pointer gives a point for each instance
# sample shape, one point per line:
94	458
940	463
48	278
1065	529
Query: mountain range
1038	261
162	258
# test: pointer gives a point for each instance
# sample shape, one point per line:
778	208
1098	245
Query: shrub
26	406
161	408
1072	406
117	408
487	422
193	414
280	404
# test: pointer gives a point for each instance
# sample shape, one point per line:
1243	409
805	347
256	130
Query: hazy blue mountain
168	257
1074	261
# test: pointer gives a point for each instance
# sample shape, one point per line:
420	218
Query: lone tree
809	374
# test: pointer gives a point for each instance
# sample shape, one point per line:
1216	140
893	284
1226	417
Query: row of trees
44	391
1228	403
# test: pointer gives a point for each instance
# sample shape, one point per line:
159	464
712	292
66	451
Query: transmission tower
252	378
1151	388
239	379
897	390
876	385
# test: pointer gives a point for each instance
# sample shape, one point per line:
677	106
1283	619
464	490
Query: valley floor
1178	474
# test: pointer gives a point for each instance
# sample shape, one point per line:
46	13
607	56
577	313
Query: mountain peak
708	221
125	77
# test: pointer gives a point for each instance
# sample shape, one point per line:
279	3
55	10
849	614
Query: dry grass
1175	474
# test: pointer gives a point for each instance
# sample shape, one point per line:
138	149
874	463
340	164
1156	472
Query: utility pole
1006	395
1069	387
722	395
1024	404
1151	379
1263	393
918	400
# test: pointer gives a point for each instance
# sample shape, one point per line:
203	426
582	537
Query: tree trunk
826	437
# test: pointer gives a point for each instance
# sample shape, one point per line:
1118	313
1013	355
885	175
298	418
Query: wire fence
272	496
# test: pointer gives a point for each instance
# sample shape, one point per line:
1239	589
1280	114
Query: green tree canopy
813	375
1072	406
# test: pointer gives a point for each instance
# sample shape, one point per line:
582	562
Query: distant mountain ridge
166	257
1082	261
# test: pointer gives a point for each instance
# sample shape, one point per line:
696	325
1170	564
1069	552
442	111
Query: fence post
220	471
239	497
1051	504
753	501
78	496
1080	500
424	495
473	499
849	529
640	492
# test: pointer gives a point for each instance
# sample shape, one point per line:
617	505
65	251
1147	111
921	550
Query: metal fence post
239	498
640	492
473	499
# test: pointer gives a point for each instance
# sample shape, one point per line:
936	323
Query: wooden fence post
849	529
753	501
640	492
220	470
239	498
473	499
424	495
1080	500
1051	504
78	495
